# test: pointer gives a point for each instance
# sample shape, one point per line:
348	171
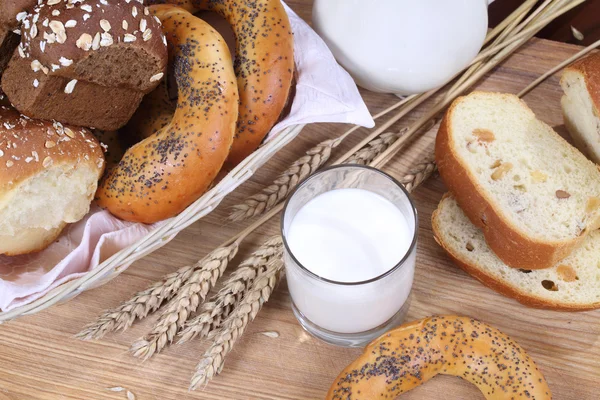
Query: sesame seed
156	77
86	7
70	133
36	65
84	42
86	17
49	37
1	153
96	41
143	25
47	162
55	13
71	23
42	46
128	38
36	83
70	86
134	11
53	2
21	16
147	35
106	39
105	25
33	31
56	26
49	144
125	25
9	163
65	62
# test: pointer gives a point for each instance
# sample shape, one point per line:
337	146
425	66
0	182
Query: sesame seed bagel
410	355
264	65
163	174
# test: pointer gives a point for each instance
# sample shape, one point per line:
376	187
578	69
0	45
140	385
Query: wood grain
39	359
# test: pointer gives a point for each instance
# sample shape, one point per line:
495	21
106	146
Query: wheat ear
219	307
189	296
419	174
271	195
234	326
139	306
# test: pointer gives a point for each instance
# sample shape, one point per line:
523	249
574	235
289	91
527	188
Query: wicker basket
119	262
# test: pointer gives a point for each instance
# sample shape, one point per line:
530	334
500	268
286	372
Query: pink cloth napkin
324	93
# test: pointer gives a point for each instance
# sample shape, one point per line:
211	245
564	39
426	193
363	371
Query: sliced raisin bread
573	284
534	195
86	62
581	104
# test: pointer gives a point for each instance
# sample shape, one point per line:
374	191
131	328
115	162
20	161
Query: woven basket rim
120	261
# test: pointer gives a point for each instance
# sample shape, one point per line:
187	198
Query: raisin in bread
573	284
86	62
534	195
581	104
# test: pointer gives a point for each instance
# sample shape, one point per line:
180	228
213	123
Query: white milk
350	235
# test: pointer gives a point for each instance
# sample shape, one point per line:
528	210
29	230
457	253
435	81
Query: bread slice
573	284
581	104
534	196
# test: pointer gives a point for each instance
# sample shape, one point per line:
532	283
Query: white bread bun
581	104
48	177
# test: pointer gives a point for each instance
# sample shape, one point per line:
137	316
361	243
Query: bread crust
589	68
512	247
527	299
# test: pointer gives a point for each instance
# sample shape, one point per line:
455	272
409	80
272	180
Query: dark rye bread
86	63
12	12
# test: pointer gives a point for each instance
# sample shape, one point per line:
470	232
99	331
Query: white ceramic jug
402	46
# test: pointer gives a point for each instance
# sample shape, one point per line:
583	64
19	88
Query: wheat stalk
189	296
271	195
238	313
419	174
365	155
139	306
234	326
219	307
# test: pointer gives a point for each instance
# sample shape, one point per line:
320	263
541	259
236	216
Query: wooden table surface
40	359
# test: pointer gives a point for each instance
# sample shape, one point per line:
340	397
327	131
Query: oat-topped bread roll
87	62
581	104
48	177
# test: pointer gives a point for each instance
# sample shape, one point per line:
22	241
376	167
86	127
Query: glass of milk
350	236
